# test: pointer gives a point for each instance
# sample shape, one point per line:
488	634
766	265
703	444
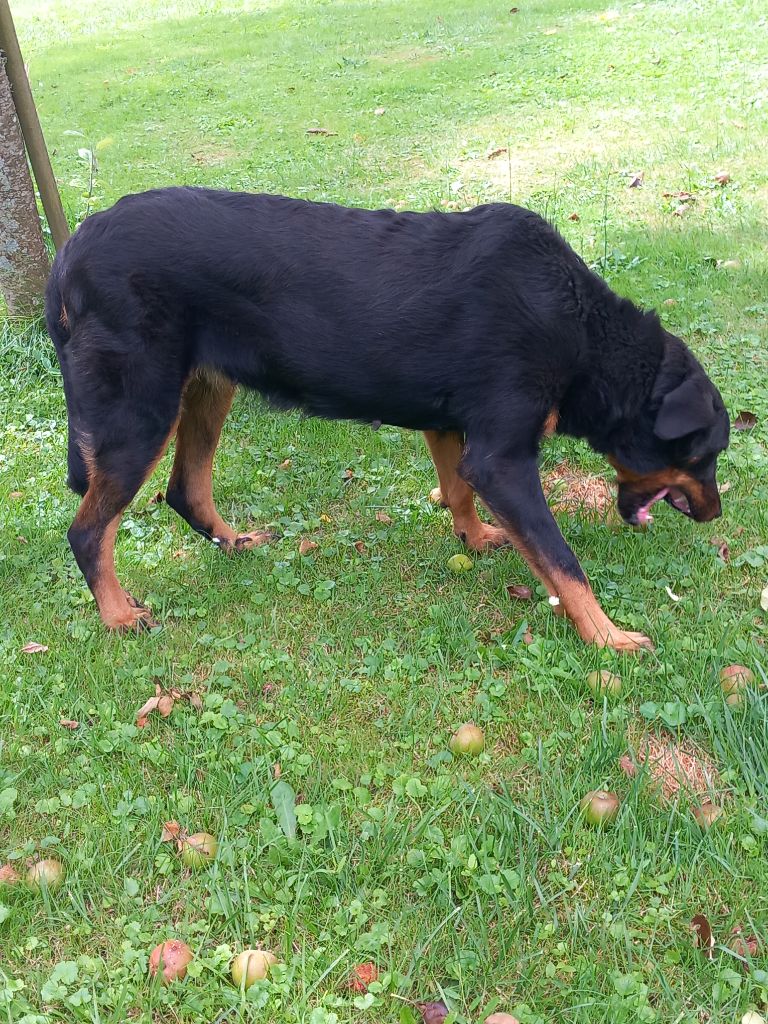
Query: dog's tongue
644	512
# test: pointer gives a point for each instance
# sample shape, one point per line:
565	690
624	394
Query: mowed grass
346	670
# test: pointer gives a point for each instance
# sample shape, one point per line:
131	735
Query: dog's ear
689	407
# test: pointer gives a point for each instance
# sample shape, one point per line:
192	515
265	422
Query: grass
471	880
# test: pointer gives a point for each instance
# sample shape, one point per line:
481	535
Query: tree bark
24	263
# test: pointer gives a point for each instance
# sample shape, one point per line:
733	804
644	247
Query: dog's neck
624	349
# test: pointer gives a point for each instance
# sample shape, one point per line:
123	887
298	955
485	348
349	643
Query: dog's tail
57	321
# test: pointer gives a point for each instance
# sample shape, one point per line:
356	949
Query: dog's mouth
674	496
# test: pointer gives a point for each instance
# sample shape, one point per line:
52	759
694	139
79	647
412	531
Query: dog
482	329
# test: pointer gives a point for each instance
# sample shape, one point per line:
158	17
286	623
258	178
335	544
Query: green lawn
472	880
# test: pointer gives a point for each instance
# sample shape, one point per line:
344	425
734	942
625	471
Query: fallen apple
468	739
707	814
252	965
604	682
600	807
199	851
734	679
501	1018
9	875
46	874
173	957
460	563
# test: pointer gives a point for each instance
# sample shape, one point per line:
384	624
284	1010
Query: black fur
480	322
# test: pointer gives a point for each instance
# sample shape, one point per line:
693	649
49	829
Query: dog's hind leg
205	404
117	467
446	449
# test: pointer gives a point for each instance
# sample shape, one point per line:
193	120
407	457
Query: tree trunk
23	257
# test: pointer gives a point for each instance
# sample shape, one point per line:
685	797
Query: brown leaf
361	548
321	131
324	518
628	766
723	551
306	545
527	637
497	152
501	1018
165	704
171	832
349	474
746	420
69	723
157	499
9	875
636	180
277	770
16	494
722	178
361	977
196	701
703	938
34	648
574	217
382	517
520	592
433	1013
285	464
146	710
513	10
744	946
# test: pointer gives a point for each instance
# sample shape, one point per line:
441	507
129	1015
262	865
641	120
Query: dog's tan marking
446	449
550	423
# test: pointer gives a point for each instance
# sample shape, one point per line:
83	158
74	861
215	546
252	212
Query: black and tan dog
482	329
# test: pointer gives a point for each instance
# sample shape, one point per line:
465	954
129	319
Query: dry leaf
433	1013
34	648
146	709
277	770
723	488
520	592
361	548
361	977
722	178
574	217
16	494
501	1018
527	637
9	875
196	701
157	499
349	474
728	264
165	705
286	464
306	546
628	766
171	832
69	723
745	946
382	517
636	180
379	111
703	938
746	420
324	518
497	152
321	131
723	550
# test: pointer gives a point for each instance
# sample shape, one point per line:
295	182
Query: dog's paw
134	618
483	537
246	541
621	640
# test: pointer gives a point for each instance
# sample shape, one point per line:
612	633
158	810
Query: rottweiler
483	329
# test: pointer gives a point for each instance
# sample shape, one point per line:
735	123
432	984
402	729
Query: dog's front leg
511	488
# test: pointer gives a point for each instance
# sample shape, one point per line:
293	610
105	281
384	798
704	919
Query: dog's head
670	450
